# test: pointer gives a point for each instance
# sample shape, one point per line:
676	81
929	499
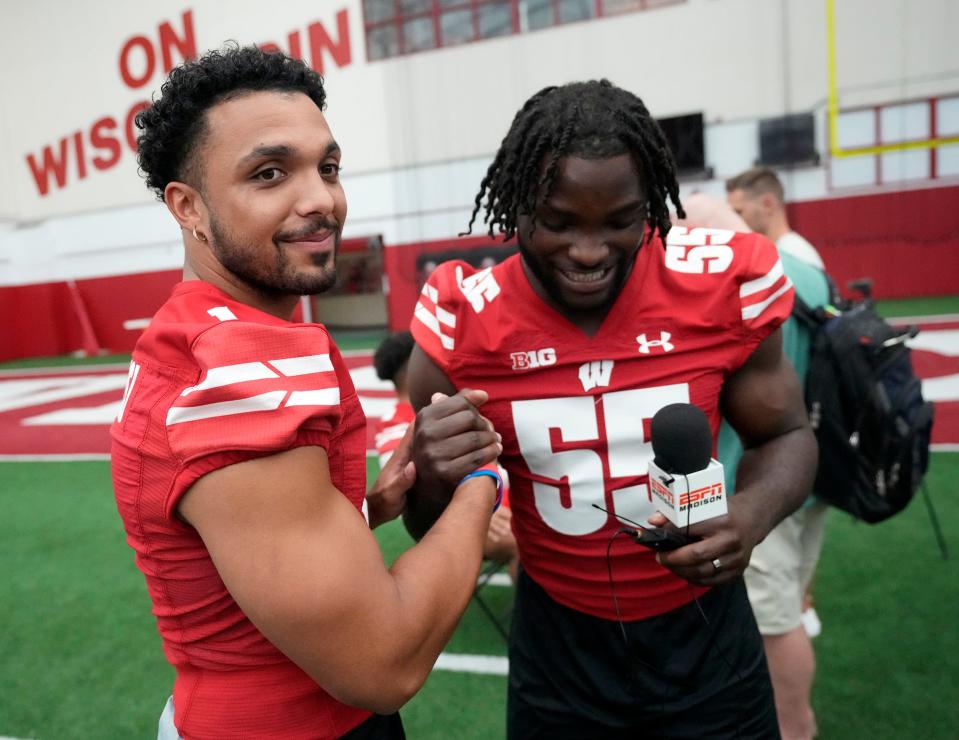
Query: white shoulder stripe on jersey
445	317
430	321
761	283
263	402
305	365
751	312
319	397
217	377
431	292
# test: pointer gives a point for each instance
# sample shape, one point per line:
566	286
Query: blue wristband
494	476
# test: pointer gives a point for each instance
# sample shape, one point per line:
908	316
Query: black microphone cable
712	641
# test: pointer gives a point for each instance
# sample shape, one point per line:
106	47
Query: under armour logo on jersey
479	288
596	373
663	343
533	359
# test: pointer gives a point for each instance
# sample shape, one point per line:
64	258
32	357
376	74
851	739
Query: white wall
418	131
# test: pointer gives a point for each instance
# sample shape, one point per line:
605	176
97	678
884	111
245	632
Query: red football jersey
214	382
574	410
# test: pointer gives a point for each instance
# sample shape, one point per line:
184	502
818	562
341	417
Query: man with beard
239	449
604	317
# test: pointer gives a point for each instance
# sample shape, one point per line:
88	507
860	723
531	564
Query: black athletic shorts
573	676
378	727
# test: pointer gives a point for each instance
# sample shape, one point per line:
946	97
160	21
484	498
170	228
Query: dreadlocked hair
594	120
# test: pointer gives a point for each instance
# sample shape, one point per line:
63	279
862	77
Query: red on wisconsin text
100	145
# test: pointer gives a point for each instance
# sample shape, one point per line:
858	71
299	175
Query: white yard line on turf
939	318
490	665
53	370
498	579
54	458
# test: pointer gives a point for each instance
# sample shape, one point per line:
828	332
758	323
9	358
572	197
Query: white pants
166	729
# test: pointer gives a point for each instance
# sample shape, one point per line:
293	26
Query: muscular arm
763	402
304	567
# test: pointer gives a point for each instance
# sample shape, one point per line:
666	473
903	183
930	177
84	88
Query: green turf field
81	657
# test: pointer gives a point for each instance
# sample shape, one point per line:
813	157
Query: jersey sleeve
765	292
260	390
435	317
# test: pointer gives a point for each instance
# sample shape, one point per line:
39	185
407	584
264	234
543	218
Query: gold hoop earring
197	236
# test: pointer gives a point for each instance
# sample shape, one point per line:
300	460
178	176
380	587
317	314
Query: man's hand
500	543
386	498
728	539
450	439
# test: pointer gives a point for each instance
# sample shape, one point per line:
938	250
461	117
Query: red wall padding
43	319
38	320
907	242
110	301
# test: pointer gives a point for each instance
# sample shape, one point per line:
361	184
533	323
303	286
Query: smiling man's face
580	251
269	175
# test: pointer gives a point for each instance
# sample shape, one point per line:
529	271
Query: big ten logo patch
533	359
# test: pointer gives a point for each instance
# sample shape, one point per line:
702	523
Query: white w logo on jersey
595	373
663	342
479	289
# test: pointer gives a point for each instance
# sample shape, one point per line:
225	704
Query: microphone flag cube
692	498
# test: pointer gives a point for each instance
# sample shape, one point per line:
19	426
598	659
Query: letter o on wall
149	55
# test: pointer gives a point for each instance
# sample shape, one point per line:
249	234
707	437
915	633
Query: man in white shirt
757	196
782	566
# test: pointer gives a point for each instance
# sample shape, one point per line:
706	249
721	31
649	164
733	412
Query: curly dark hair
174	126
392	354
595	120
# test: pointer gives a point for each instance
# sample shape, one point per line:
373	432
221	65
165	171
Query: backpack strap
812	319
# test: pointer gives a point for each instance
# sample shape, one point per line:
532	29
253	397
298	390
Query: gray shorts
781	567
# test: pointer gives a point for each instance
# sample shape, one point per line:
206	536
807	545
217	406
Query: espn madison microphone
687	484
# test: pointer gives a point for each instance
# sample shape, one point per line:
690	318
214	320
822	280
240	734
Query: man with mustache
239	450
605	316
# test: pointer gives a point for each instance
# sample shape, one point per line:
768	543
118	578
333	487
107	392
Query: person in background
756	195
782	566
391	361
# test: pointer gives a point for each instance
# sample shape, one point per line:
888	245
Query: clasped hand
448	439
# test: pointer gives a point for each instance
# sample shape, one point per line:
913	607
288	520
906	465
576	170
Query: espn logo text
692	499
533	359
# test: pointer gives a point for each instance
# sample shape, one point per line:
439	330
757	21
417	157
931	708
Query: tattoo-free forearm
774	478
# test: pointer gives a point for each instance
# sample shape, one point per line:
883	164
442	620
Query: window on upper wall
397	27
